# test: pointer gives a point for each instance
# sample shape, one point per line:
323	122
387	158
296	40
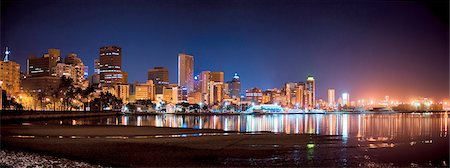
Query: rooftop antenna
6	55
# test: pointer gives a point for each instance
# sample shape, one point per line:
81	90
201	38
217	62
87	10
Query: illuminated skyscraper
310	92
235	87
300	95
254	95
205	77
331	97
345	99
186	71
290	93
9	75
216	87
111	66
217	77
160	77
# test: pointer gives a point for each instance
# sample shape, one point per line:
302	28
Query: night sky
370	49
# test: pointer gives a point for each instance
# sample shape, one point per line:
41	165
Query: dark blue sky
369	49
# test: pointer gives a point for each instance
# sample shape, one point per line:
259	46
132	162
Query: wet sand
150	146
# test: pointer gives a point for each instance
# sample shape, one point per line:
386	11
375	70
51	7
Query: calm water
403	138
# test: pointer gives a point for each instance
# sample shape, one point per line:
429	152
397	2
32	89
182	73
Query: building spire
6	55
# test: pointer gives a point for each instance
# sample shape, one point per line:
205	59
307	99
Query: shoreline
147	146
138	146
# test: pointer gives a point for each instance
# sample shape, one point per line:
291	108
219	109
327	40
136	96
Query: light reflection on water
363	126
401	138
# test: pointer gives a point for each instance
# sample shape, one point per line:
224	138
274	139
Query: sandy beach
150	146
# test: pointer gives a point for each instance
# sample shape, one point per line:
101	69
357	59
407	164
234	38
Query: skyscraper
254	95
290	93
345	99
45	65
310	92
217	77
111	66
186	71
9	75
300	95
216	82
235	87
160	77
331	98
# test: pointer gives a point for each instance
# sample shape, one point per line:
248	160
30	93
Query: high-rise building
216	82
77	69
9	75
290	92
143	91
170	94
37	67
345	99
96	66
331	98
122	91
186	71
111	66
205	77
160	77
45	65
310	92
217	77
254	95
197	84
300	95
235	87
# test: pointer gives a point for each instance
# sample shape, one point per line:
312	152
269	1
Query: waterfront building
300	95
122	91
72	68
253	95
217	77
216	92
182	94
9	75
226	90
204	81
37	67
331	98
290	89
79	71
170	94
111	66
197	84
310	92
195	98
45	65
235	87
160	77
345	99
186	71
143	91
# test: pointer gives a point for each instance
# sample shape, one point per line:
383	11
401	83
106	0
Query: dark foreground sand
150	146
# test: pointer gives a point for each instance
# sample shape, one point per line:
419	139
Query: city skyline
402	72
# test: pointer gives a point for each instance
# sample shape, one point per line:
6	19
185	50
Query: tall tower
186	71
345	99
235	88
331	98
310	92
111	66
160	77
